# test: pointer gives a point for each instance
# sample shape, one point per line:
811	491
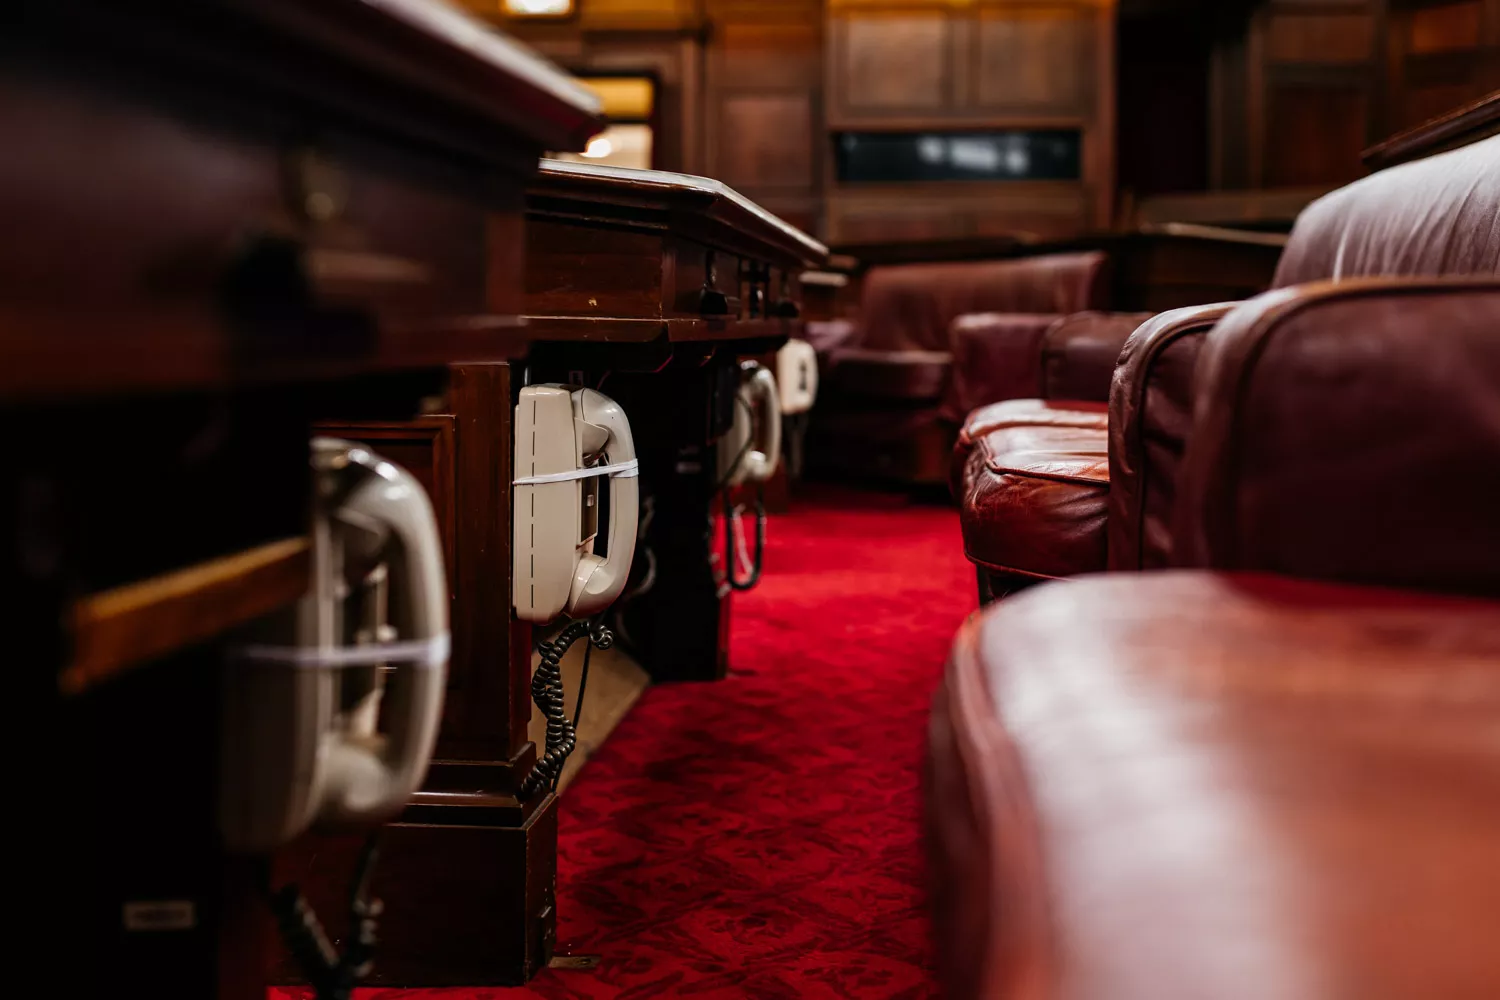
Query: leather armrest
1350	432
1079	354
1150	415
996	356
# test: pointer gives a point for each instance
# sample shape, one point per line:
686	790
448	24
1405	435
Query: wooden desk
718	279
650	286
225	221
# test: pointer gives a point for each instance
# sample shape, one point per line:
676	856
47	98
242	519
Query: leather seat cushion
1186	784
905	375
1032	482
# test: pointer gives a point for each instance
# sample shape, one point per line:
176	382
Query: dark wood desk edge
696	207
433	51
1461	127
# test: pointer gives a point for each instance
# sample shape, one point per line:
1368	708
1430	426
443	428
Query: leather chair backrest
1431	217
910	306
1350	431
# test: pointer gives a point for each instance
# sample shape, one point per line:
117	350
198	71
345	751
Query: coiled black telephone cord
731	550
334	976
547	692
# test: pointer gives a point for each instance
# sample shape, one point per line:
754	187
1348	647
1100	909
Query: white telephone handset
797	374
751	450
301	742
567	440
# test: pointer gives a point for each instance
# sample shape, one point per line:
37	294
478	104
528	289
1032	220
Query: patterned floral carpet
760	837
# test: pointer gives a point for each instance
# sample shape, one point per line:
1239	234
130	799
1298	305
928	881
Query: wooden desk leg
679	628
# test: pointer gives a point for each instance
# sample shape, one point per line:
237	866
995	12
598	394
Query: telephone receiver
751	450
303	745
573	450
797	375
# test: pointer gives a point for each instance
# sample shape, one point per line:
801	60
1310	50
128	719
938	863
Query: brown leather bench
1432	217
1274	772
887	380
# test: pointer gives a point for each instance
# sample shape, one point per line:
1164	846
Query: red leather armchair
1439	216
888	380
1274	774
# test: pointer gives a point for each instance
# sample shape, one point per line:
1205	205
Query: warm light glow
626	145
625	98
599	147
539	8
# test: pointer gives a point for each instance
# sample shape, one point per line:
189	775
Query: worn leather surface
910	306
1151	413
1032	481
1187	785
1435	216
1079	353
1351	431
996	356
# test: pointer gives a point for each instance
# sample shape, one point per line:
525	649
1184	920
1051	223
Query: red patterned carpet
759	837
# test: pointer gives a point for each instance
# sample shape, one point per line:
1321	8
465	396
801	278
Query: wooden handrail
1461	127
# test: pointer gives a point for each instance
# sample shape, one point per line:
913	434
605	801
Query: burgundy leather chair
887	380
1274	773
1042	501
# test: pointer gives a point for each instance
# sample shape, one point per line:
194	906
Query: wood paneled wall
1440	54
763	122
1295	95
1170	96
972	64
663	38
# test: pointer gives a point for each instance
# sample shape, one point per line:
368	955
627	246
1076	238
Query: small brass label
574	962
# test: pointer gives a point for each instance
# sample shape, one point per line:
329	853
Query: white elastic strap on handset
566	435
301	744
757	416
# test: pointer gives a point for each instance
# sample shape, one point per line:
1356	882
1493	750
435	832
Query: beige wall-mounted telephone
751	450
303	745
570	443
797	375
